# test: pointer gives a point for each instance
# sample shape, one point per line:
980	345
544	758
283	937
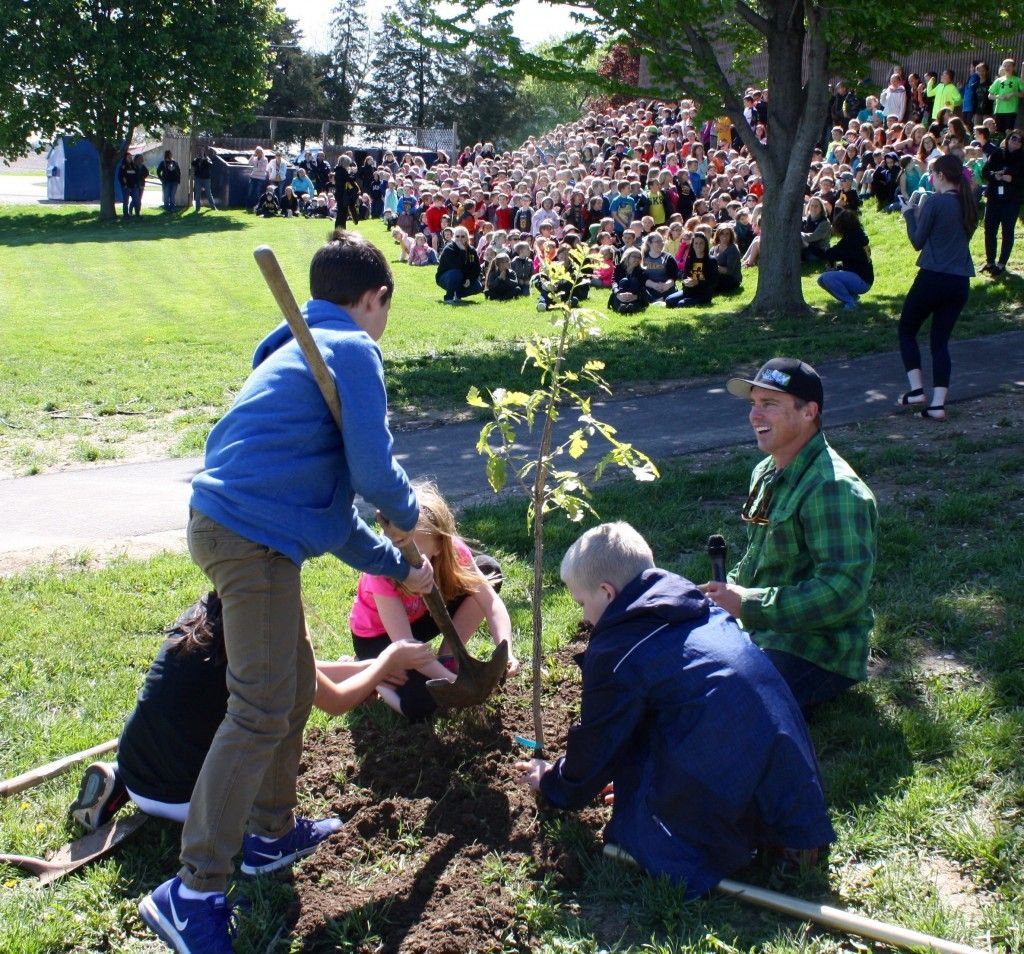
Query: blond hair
453	577
612	553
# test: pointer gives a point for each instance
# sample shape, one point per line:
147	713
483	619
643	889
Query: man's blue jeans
198	193
133	204
811	685
169	189
256	188
452	283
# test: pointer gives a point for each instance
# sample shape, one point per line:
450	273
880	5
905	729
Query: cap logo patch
779	378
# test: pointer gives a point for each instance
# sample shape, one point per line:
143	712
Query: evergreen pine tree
484	91
408	84
349	57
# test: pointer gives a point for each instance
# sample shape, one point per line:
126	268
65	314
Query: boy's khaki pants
249	772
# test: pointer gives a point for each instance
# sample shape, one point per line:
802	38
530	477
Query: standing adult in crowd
133	181
458	268
321	172
976	101
944	93
169	174
940	226
346	191
1005	93
801	587
127	178
202	171
894	99
1004	175
258	165
277	173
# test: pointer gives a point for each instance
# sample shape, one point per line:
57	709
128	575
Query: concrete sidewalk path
142	508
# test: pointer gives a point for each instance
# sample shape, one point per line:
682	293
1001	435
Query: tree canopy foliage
99	69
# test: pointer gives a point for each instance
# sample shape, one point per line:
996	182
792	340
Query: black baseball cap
788	375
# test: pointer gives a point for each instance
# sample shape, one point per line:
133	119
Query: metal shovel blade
476	680
80	852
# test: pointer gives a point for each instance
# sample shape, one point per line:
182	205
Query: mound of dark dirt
438	827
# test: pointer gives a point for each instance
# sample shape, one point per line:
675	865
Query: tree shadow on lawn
662	345
60	228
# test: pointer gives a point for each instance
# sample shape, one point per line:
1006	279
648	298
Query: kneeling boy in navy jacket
706	749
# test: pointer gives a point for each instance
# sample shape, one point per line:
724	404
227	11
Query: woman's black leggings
941	297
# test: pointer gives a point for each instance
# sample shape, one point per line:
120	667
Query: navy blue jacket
701	736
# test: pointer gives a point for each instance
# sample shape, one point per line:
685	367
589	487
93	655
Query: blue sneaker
204	926
263	856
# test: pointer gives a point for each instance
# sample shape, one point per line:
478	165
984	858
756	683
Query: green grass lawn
129	340
922	764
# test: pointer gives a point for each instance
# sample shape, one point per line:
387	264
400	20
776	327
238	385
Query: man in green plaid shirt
801	588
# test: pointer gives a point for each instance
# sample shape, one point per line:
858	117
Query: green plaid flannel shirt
810	566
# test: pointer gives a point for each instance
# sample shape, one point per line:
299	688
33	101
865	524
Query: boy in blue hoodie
277	488
689	722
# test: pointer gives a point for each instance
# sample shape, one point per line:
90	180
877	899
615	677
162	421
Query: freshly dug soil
428	809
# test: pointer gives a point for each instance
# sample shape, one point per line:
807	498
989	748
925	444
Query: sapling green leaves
544	472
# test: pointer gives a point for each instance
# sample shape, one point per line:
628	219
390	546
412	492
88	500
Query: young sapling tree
553	473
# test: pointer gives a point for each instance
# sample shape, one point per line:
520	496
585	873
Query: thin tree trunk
537	596
539	485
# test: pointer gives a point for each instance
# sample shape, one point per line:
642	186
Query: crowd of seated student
618	177
646	177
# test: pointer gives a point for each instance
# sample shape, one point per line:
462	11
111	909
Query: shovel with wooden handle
477	679
72	856
12	786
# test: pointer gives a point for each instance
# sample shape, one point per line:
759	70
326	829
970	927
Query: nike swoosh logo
178	925
269	856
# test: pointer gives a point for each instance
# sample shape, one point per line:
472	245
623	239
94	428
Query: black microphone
716	553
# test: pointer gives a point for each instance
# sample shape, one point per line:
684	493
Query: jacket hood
316	311
660	594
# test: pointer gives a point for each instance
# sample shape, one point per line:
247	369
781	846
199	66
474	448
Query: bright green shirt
947	96
1007	84
809	567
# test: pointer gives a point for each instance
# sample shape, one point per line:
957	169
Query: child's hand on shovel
420	578
533	771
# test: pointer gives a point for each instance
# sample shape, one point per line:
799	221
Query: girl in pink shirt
384	612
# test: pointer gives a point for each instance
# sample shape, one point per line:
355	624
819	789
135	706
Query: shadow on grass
55	228
694	343
664	345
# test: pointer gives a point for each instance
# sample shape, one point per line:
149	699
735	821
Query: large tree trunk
792	134
108	164
778	267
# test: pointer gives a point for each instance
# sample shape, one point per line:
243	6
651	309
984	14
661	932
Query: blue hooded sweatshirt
279	473
707	748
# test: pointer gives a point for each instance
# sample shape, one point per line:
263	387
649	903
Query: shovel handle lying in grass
476	679
26	780
835	918
841	920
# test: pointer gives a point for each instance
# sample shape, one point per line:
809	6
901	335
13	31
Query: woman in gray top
940	226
